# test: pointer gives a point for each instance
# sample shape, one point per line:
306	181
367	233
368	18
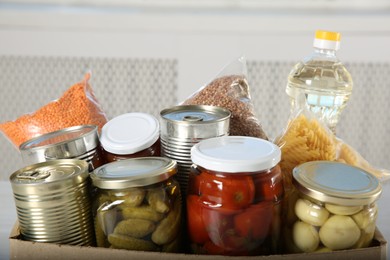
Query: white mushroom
323	250
339	232
343	210
365	217
305	236
311	213
365	237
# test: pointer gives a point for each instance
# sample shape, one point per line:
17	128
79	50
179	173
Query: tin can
137	205
184	126
77	142
234	196
130	135
335	208
53	202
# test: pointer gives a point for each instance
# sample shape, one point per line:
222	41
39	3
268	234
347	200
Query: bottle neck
327	52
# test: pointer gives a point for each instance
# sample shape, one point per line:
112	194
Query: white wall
201	40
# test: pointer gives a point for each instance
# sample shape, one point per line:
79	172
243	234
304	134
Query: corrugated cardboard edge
20	249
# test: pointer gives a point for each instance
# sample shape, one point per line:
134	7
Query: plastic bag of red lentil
230	90
77	106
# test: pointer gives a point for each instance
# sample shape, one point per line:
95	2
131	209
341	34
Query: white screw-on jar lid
232	154
130	133
327	40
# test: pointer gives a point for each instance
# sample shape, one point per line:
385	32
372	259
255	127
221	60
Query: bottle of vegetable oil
320	81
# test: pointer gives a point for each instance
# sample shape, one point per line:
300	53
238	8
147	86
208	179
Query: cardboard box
20	249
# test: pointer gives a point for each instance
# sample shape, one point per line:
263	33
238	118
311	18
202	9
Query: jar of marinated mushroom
335	209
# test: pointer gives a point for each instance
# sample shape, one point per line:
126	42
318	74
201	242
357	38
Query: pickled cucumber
310	212
99	235
305	236
102	198
158	200
132	198
172	247
137	228
142	212
130	243
169	227
339	232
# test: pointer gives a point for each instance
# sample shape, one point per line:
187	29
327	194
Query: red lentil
77	106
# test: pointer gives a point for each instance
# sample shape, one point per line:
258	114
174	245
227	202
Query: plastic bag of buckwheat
230	90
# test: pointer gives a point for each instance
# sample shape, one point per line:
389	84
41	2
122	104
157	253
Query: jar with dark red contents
130	135
234	197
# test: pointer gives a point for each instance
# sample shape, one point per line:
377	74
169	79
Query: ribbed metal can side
184	126
53	202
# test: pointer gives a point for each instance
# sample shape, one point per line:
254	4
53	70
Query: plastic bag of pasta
306	139
77	106
230	90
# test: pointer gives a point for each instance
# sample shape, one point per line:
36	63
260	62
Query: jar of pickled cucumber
137	205
234	196
335	208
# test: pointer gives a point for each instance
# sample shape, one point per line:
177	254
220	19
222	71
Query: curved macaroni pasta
307	140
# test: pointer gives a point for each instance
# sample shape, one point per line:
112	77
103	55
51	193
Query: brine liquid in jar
335	208
321	82
234	197
137	205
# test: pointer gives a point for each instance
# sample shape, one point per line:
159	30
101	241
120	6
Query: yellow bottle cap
330	36
327	40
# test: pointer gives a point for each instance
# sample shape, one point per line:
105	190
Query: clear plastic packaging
306	138
234	197
332	212
77	106
321	80
230	90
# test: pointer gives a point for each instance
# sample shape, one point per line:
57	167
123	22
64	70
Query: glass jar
234	196
130	135
335	208
137	205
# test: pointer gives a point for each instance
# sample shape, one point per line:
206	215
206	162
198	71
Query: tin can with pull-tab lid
53	202
184	126
76	142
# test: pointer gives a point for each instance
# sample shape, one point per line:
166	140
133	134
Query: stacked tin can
77	142
53	202
184	126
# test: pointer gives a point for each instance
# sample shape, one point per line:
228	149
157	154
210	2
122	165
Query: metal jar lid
44	177
193	121
72	142
136	172
337	183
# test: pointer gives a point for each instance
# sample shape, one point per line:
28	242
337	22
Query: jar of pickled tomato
234	196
